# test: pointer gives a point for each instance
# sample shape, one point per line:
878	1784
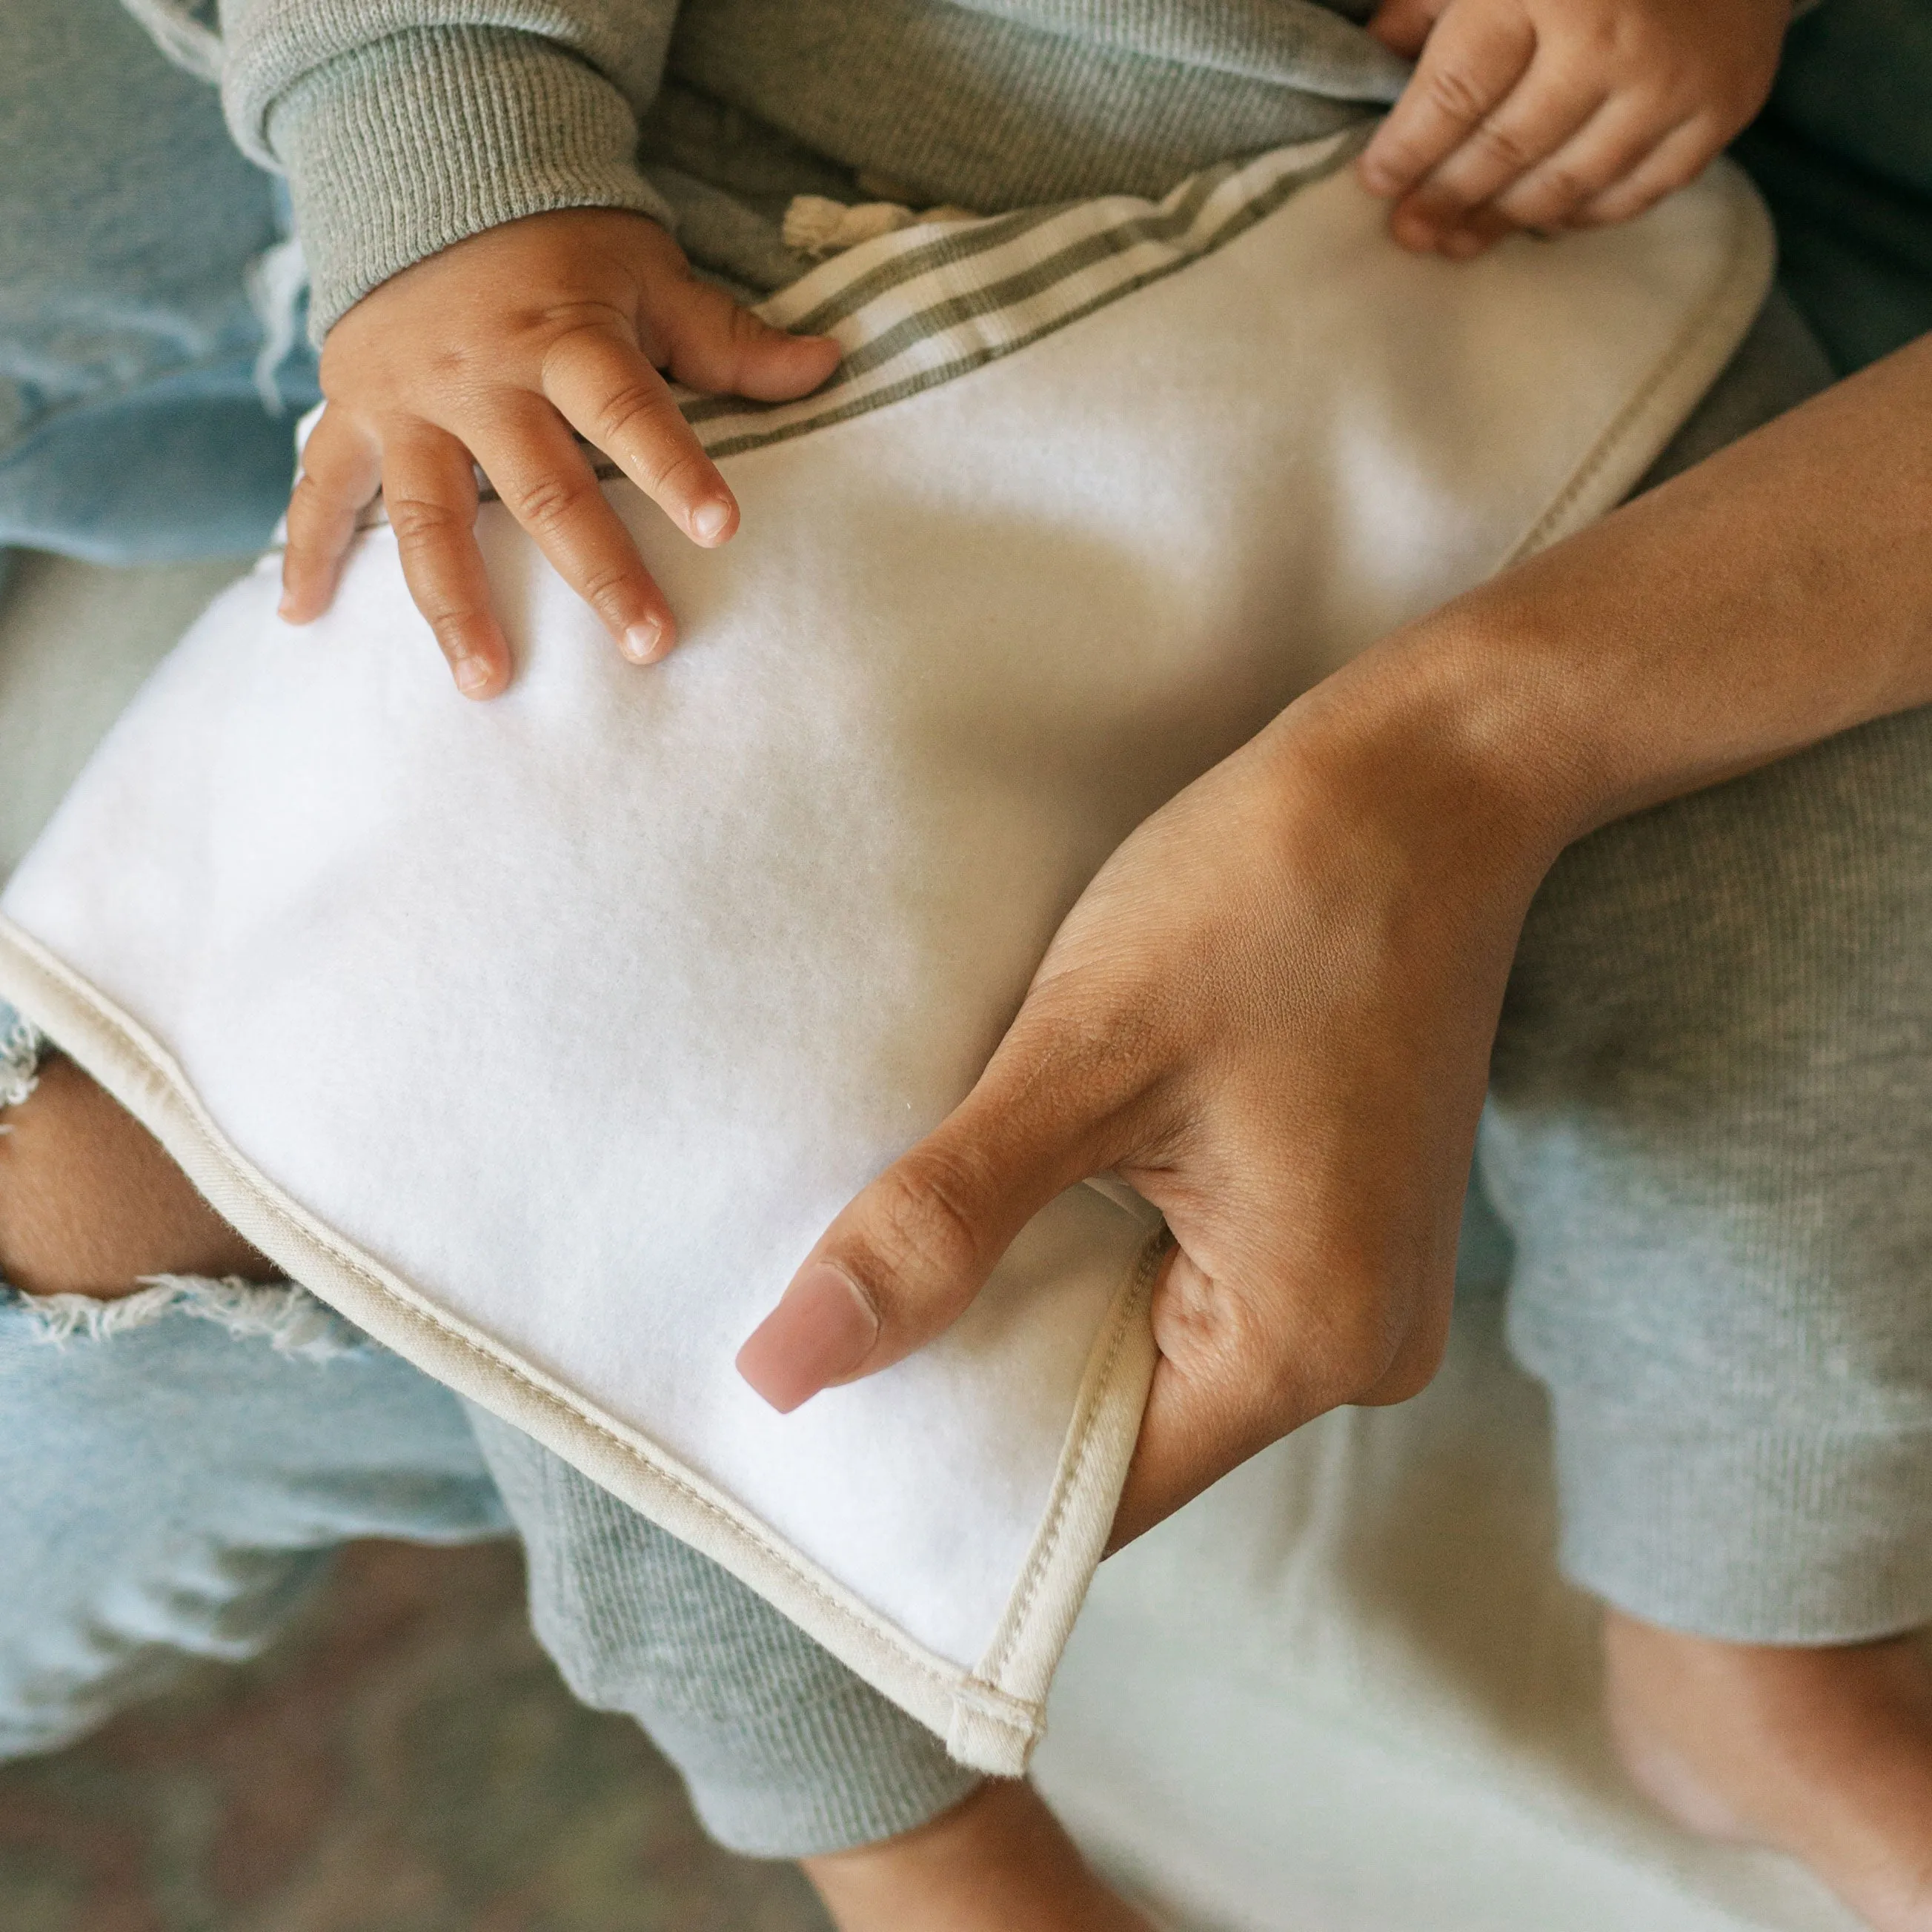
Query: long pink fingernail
822	1328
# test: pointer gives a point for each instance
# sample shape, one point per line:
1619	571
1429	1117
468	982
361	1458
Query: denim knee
132	423
176	1468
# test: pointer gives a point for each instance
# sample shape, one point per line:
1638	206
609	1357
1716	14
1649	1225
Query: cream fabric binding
542	1038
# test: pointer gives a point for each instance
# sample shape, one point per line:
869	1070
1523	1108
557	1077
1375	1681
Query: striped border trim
928	304
923	306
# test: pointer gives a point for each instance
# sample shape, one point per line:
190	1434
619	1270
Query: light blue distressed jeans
175	1468
133	380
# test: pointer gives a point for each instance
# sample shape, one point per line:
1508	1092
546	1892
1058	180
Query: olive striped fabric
930	303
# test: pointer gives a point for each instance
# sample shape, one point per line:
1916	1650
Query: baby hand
1547	114
491	352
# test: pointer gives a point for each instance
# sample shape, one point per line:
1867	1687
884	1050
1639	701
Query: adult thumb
909	1253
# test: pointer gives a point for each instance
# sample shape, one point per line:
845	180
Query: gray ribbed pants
1710	1133
784	1751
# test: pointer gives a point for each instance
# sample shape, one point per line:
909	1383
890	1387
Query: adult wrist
1442	732
397	148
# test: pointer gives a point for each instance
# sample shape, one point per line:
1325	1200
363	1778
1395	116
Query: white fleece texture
544	1036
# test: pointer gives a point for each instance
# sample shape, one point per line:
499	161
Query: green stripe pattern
927	304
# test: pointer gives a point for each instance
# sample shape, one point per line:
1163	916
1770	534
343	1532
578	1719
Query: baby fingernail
821	1329
472	675
708	520
644	641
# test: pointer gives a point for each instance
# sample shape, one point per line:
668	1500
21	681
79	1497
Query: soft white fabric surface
544	1037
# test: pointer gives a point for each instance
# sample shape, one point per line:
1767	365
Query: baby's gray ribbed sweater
404	125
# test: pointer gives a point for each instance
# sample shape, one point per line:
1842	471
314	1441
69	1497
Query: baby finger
1676	160
1478	231
608	391
546	484
429	492
1543	111
1472	62
1602	152
341	471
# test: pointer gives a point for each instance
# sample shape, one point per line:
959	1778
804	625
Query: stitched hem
1681	377
991	1715
1072	1533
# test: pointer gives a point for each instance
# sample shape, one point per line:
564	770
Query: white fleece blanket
543	1038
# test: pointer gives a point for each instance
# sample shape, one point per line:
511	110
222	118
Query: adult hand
1271	1013
489	354
1272	1010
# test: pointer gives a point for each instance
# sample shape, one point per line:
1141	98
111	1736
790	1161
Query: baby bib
543	1038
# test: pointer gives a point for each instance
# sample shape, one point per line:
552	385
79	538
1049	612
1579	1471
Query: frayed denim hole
282	1314
22	1046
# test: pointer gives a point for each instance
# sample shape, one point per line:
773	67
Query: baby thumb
721	349
905	1257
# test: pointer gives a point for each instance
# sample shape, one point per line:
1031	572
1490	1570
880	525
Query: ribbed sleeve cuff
406	145
1771	1535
